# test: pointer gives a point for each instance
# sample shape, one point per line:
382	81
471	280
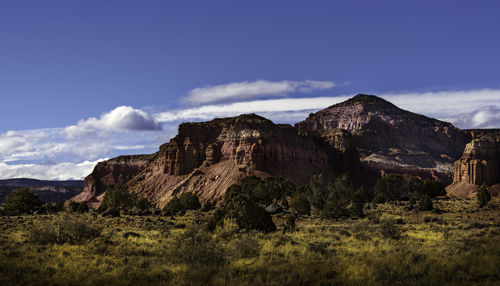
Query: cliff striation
390	139
207	157
118	170
479	164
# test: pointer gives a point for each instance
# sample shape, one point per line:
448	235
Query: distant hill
47	191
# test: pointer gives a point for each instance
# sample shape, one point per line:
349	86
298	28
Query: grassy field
457	245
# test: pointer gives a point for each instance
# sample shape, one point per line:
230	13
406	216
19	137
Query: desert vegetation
325	234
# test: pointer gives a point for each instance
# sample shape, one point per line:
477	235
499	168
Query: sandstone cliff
208	157
390	139
118	170
479	164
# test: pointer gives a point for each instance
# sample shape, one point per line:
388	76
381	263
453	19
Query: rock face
118	170
479	164
390	139
208	157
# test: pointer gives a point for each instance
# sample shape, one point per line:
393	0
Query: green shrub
200	252
290	223
53	207
483	196
22	201
241	208
143	204
432	188
117	196
379	199
82	208
357	204
111	212
300	204
63	229
394	187
339	197
189	201
173	206
272	189
318	192
247	213
207	207
244	247
389	229
425	203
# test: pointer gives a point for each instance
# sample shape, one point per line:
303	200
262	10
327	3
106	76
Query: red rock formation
480	162
208	157
118	170
391	139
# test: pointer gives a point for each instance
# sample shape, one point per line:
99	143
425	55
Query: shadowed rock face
208	157
118	170
391	139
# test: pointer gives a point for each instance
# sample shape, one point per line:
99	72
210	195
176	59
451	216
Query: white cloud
119	119
252	90
66	153
466	108
61	171
449	106
270	107
487	117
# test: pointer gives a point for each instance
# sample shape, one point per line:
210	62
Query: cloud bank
73	151
61	171
465	109
238	91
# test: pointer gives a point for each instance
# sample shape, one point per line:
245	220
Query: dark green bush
290	223
117	196
483	196
271	189
425	203
111	212
379	199
432	188
389	228
339	197
82	208
143	204
318	192
394	187
53	207
241	208
22	201
247	214
189	201
207	207
173	207
300	204
357	204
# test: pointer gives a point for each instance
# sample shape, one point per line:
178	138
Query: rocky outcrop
390	139
207	157
118	170
479	164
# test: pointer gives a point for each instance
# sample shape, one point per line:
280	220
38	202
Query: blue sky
81	81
